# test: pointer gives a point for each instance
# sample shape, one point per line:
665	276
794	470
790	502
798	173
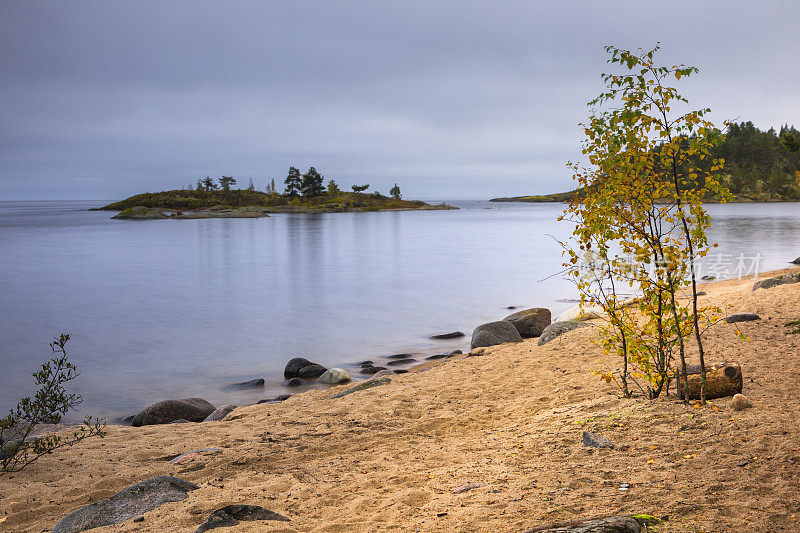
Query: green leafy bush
19	443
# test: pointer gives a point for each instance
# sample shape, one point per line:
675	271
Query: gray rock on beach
334	375
559	328
191	409
741	317
294	382
740	402
591	440
530	322
231	514
493	333
364	385
796	261
220	413
780	280
127	503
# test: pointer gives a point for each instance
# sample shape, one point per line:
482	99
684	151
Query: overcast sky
101	100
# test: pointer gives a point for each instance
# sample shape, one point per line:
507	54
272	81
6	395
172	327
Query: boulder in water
293	367
334	376
191	409
311	371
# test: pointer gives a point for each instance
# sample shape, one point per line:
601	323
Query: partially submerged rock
231	514
293	367
364	385
311	371
493	333
397	362
559	328
530	322
191	409
127	503
334	375
252	384
451	335
294	382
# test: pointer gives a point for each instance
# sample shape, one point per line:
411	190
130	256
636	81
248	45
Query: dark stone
708	278
292	368
400	371
591	440
252	384
231	514
455	352
511	307
398	362
701	293
294	382
366	363
780	280
364	385
220	413
741	317
796	261
127	503
493	333
437	356
400	356
369	370
139	518
559	328
451	335
530	322
282	397
312	371
192	409
128	419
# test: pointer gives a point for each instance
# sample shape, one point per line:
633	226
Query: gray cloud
102	99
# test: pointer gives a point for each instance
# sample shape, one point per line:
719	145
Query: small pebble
139	518
740	402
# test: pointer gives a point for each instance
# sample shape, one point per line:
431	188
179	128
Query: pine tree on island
311	185
292	182
226	182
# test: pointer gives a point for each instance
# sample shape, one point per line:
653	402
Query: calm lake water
175	308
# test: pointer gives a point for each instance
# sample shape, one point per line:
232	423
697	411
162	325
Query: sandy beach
509	421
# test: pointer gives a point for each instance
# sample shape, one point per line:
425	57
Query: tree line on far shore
308	185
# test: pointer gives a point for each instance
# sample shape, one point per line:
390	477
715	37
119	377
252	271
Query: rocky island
184	204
